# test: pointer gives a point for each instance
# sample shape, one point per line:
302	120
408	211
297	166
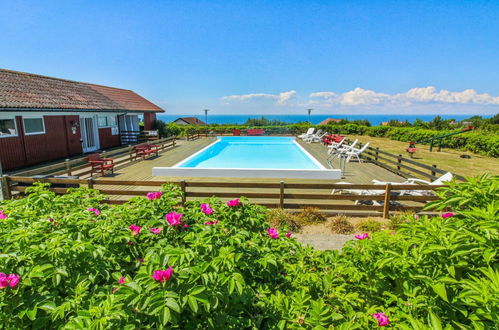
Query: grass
447	159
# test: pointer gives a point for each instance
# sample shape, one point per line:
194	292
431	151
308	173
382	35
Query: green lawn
447	159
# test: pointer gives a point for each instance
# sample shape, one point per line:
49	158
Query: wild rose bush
75	262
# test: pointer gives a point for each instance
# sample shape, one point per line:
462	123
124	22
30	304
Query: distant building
329	120
385	123
44	118
189	121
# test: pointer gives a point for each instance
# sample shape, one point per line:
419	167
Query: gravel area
324	241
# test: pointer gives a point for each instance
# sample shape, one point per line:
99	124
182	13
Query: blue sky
279	57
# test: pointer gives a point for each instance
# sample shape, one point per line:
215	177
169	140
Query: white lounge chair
440	181
309	132
335	146
361	192
343	149
305	138
316	137
356	153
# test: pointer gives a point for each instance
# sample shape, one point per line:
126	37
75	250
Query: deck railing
72	166
292	196
403	166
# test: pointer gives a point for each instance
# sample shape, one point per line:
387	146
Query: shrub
341	225
283	220
72	262
368	225
399	218
310	216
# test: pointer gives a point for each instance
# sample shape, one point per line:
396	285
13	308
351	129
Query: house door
89	133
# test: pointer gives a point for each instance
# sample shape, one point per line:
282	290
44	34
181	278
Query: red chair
100	164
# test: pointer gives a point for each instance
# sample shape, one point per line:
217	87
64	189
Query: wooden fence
403	166
293	196
79	166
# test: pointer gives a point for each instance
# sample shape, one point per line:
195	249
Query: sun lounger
309	132
440	181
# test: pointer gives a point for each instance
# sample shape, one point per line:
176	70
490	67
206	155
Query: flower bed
71	261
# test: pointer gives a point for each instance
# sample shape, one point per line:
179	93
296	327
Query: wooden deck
361	173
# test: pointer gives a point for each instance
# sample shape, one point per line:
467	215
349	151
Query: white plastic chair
309	132
440	181
335	146
316	137
356	153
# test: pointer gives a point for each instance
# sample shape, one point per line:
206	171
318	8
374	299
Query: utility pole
309	111
206	116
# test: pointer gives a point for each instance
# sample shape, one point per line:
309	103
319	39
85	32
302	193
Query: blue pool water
252	152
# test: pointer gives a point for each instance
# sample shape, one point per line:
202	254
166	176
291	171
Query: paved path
324	241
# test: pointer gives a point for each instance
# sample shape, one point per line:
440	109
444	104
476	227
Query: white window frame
34	117
15	127
107	121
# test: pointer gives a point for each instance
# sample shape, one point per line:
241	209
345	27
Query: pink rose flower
186	226
206	209
209	223
11	280
156	231
289	234
382	319
174	219
96	211
154	195
135	229
273	233
362	236
3	215
447	215
233	202
120	281
162	275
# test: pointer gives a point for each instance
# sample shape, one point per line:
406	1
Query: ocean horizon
315	119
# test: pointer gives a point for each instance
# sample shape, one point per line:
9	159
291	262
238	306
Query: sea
315	119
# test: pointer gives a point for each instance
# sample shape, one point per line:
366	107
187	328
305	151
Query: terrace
134	178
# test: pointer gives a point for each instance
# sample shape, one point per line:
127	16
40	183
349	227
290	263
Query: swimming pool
251	157
253	152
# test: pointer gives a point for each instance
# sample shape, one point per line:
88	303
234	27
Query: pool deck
361	173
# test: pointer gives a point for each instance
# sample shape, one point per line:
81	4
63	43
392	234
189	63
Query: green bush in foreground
152	264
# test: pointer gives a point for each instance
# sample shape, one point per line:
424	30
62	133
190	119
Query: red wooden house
44	118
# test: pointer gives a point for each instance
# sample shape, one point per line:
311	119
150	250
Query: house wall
107	139
149	118
58	141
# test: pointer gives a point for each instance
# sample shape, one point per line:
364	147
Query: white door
89	133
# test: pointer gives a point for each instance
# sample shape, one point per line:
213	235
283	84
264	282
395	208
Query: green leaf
440	289
172	303
164	316
193	304
197	290
435	321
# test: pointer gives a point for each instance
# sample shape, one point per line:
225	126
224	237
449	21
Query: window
107	121
33	126
7	127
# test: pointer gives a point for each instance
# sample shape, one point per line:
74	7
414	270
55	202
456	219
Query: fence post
90	182
130	152
433	172
5	185
174	140
386	206
68	166
399	160
1	183
281	195
184	191
377	153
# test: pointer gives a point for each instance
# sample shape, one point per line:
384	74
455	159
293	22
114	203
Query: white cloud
429	94
280	98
